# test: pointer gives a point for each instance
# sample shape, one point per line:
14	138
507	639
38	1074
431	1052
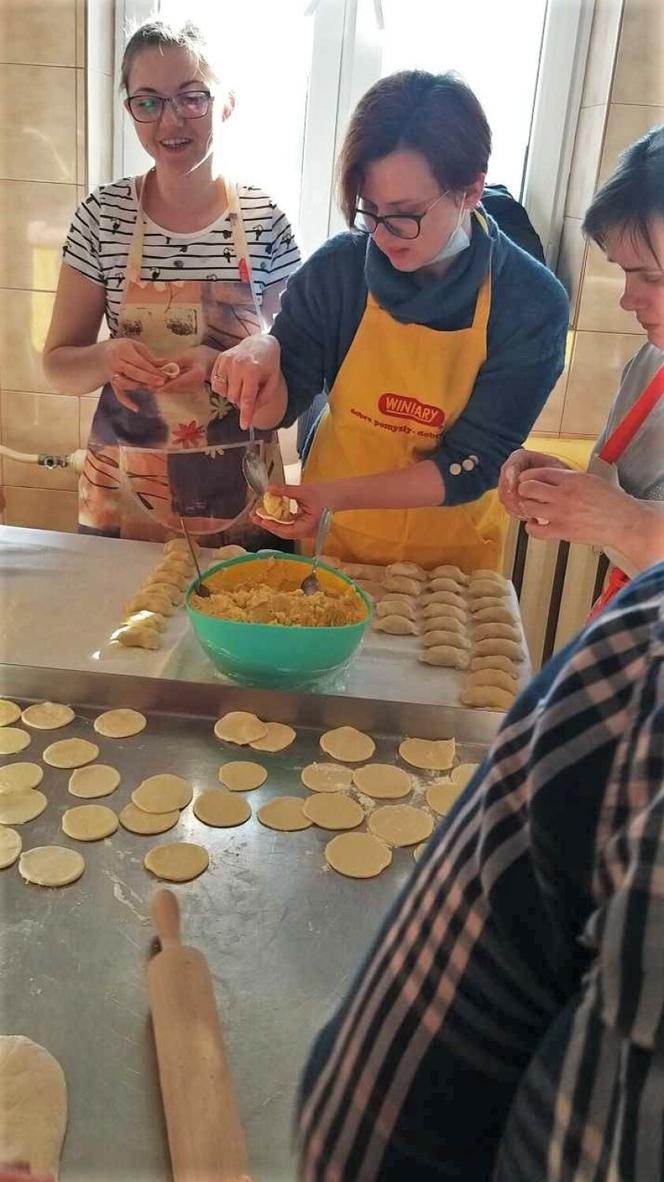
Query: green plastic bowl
275	654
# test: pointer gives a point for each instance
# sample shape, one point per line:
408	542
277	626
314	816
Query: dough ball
89	822
435	755
33	1105
463	773
444	599
97	779
13	740
382	781
445	654
221	809
402	584
279	736
493	615
9	712
147	824
285	813
120	724
17	808
487	696
485	602
47	716
445	584
179	861
399	606
358	855
240	727
326	777
400	824
480	587
347	744
406	570
10	846
242	777
495	662
162	793
395	625
496	677
438	637
51	865
488	631
19	777
333	812
68	753
449	572
499	647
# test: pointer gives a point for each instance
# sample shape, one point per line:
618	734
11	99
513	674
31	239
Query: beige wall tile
36	508
87	406
550	416
81	18
39	423
100	35
639	76
34	220
602	52
603	286
100	128
38	123
623	126
38	32
81	129
570	261
597	364
585	160
24	320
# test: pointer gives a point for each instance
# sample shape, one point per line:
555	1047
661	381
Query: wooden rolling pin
205	1136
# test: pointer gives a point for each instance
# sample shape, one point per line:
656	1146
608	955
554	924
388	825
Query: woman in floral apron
184	264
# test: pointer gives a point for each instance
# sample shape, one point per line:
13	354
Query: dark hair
434	114
156	34
633	195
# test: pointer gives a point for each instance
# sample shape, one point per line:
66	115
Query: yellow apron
399	389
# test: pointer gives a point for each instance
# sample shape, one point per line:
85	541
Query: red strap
616	581
620	439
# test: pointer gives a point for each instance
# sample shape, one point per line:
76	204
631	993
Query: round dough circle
51	865
240	727
326	777
16	808
441	796
221	809
462	773
68	753
430	754
333	812
9	712
279	736
89	822
98	779
20	777
136	821
11	845
400	824
13	740
120	724
285	813
358	855
180	861
347	744
242	777
162	793
383	781
47	716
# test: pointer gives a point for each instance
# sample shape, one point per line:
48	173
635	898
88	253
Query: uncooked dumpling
495	662
9	712
179	861
382	781
403	584
399	606
150	600
400	824
284	813
492	630
89	822
480	587
447	618
10	846
162	793
499	647
492	575
19	777
240	727
493	615
33	1104
438	637
358	855
225	552
17	808
97	779
485	602
238	776
68	753
429	754
450	599
51	865
444	584
279	736
487	696
120	724
434	609
445	654
221	809
47	716
13	740
395	625
141	635
326	777
134	820
496	677
449	572
336	811
347	744
406	570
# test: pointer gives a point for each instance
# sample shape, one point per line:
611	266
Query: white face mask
457	242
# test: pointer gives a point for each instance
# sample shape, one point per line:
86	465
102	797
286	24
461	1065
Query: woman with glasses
436	339
183	264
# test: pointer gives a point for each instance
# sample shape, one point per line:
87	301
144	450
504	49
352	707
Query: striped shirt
100	236
508	1024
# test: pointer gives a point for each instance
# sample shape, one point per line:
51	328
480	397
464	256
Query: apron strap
241	247
620	438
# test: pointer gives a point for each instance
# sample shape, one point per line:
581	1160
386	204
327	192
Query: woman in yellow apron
184	264
436	339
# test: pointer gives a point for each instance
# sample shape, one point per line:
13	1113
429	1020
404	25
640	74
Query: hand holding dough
33	1103
395	625
446	655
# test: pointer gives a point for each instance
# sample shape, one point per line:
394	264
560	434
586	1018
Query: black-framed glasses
402	225
148	108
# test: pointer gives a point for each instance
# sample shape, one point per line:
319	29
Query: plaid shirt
509	1021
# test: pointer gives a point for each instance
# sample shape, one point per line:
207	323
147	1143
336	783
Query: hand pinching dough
400	824
19	777
284	813
333	812
242	777
347	744
488	696
89	822
221	809
279	736
240	727
162	793
179	861
147	824
17	808
326	777
120	724
383	781
445	654
436	755
358	855
10	846
395	625
51	865
47	716
9	712
13	740
33	1104
67	753
98	779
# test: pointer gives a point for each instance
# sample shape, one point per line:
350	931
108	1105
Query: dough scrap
495	662
441	796
162	793
11	844
238	776
496	677
400	605
487	696
406	570
221	809
499	647
97	779
13	739
47	716
493	615
68	753
285	813
17	808
9	712
480	587
400	824
358	855
444	584
89	822
438	636
33	1104
485	602
120	724
435	755
463	773
401	583
179	861
20	777
347	744
51	865
449	572
492	630
395	625
333	812
279	736
433	607
136	821
326	777
240	727
382	781
445	654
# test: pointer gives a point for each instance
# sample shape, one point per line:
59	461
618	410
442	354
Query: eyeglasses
402	225
149	108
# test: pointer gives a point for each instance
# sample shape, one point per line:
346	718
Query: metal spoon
253	467
200	588
310	584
